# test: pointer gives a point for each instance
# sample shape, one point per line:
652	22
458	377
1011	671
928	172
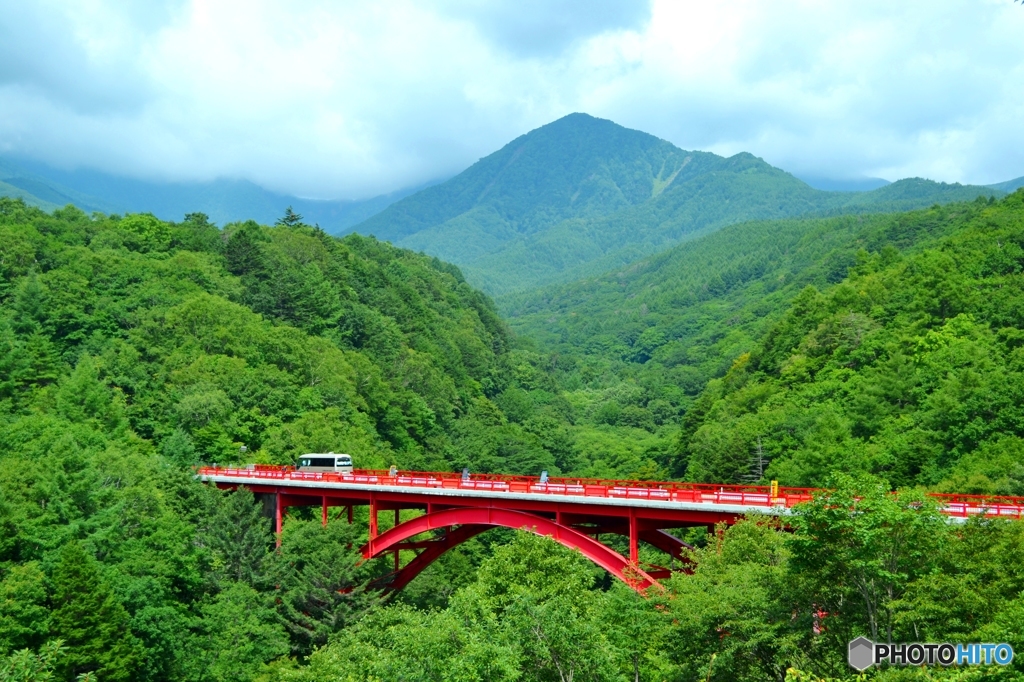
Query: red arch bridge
452	508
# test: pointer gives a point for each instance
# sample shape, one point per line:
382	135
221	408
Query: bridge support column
373	516
323	512
277	518
398	520
350	515
634	538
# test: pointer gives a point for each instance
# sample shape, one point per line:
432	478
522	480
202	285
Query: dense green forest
887	347
633	349
910	368
134	349
582	195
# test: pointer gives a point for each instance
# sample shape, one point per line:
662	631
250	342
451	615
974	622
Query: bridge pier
373	517
277	518
634	538
398	522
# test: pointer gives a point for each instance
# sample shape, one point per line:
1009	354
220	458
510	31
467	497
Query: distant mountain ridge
1009	185
571	199
223	200
843	184
583	195
35	190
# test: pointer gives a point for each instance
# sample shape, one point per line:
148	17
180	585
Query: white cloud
350	99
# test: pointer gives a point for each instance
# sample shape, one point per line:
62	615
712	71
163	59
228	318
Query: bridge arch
463	524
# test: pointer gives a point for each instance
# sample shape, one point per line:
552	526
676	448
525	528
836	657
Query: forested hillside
632	349
251	336
131	349
582	195
910	368
884	344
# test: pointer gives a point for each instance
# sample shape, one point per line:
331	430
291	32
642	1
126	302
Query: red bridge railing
964	506
961	506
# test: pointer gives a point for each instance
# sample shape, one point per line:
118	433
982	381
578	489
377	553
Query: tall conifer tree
90	620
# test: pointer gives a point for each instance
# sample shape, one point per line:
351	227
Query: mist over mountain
223	200
584	195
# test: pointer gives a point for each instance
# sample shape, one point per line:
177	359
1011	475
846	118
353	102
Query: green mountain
583	195
576	167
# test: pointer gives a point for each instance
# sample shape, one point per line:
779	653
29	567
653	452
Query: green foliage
26	666
239	539
290	218
738	606
240	634
530	615
875	550
321	584
400	643
24	618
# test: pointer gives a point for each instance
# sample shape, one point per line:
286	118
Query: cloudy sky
352	99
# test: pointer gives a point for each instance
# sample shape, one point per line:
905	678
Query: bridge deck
688	502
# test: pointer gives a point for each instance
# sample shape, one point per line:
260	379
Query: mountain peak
575	167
